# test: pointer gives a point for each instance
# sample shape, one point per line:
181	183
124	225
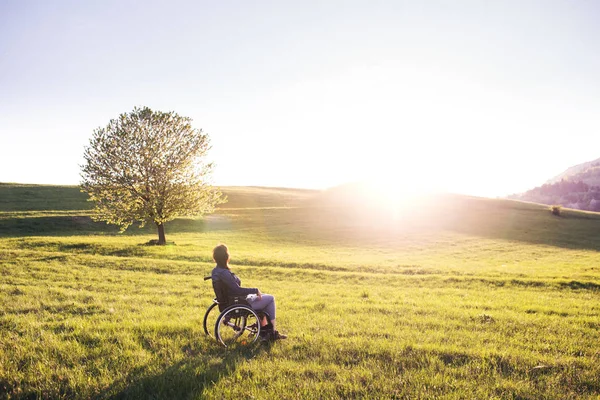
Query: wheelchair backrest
223	297
221	294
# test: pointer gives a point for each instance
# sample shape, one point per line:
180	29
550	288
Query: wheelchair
235	321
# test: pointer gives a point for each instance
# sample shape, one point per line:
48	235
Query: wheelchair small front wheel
237	324
210	319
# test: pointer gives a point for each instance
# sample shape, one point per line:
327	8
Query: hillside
27	197
578	187
27	209
337	215
249	196
441	297
580	172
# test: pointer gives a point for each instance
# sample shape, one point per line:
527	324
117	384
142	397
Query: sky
486	98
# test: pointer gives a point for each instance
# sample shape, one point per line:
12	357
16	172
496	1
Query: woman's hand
258	294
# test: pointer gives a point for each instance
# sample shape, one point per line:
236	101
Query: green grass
457	298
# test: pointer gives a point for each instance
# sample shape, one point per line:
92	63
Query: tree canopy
148	166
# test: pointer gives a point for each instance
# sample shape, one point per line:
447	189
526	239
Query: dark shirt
231	281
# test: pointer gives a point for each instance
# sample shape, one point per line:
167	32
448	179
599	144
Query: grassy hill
64	210
447	297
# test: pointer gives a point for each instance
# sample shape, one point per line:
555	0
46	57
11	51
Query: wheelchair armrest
238	300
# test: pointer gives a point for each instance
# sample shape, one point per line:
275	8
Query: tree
148	166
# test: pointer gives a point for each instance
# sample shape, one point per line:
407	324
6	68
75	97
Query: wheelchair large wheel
210	319
237	324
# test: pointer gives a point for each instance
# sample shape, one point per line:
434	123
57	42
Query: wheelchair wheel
237	324
210	319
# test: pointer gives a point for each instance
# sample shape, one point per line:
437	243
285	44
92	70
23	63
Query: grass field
454	298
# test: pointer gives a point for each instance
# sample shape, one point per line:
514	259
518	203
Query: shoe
278	336
264	335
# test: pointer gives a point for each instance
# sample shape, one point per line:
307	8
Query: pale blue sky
481	97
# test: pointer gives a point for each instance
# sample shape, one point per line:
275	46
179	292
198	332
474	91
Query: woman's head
221	255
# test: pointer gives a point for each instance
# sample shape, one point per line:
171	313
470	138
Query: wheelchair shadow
189	378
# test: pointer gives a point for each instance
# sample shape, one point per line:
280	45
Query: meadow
453	297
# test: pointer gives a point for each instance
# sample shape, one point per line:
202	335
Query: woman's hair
221	255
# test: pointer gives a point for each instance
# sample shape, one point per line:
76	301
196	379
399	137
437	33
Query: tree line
571	194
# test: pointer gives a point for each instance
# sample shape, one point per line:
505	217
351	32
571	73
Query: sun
393	194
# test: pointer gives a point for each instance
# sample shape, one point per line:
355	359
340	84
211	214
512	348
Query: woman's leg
265	304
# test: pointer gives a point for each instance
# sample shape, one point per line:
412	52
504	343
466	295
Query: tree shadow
188	378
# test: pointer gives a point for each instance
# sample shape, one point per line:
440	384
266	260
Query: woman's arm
233	287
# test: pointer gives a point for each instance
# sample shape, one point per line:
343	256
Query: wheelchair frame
234	321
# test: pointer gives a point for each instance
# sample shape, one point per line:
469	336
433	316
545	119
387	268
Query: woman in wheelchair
223	277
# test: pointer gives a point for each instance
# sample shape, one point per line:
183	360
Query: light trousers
266	304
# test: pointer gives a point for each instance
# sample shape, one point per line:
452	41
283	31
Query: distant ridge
574	173
578	187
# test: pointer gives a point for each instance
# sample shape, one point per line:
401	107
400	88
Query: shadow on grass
83	225
520	222
507	221
578	285
188	378
485	218
52	226
565	232
18	197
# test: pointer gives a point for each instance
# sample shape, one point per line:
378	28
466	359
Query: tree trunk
161	234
